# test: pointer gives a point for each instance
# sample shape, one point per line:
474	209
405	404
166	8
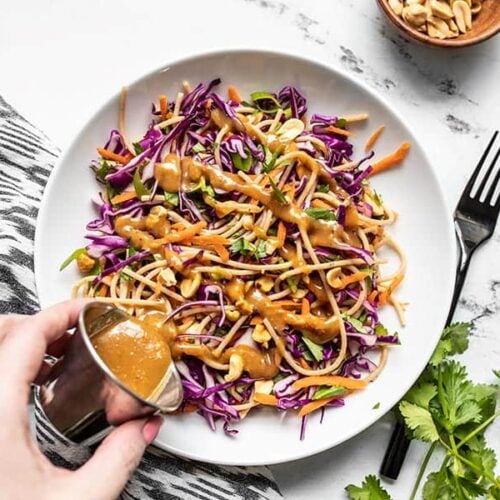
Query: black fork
475	219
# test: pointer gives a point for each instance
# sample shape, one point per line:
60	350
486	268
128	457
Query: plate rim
448	231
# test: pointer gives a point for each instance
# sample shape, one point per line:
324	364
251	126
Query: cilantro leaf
438	486
260	250
496	373
356	323
454	340
203	187
420	421
341	122
421	394
323	188
278	193
315	349
370	489
103	170
320	213
243	247
198	148
137	148
270	161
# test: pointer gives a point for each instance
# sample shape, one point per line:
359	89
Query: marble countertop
61	59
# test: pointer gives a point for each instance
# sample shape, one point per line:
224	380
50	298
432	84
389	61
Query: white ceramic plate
424	230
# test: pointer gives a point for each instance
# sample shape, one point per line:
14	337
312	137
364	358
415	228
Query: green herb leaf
259	97
111	191
96	270
326	391
240	163
172	198
315	349
370	489
341	123
381	330
320	213
438	486
203	187
323	188
280	196
103	170
376	406
260	250
496	373
137	148
421	394
420	421
198	148
454	340
292	283
270	161
355	323
72	257
139	186
243	247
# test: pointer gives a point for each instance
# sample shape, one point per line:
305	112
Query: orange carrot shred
320	204
281	235
103	291
109	155
233	94
339	131
395	283
163	107
351	278
304	364
256	320
391	159
185	234
372	296
306	307
373	138
348	383
265	399
222	252
125	196
315	405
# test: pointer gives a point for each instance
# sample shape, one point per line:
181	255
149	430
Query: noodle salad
246	233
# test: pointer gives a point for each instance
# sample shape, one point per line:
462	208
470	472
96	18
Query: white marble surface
59	60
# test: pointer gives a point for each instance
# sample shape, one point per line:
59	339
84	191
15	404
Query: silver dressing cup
84	399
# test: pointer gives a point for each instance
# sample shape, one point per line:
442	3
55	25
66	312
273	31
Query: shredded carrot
233	94
163	107
281	235
222	252
339	131
265	399
391	159
382	298
306	307
372	296
185	234
178	226
320	204
373	138
395	283
304	364
351	278
103	291
125	196
348	383
315	405
109	155
212	239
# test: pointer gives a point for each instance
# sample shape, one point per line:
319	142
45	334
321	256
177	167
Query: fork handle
399	443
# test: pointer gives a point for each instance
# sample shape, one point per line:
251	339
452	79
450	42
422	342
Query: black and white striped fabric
26	159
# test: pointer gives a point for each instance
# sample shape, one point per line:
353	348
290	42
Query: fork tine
487	175
468	188
491	192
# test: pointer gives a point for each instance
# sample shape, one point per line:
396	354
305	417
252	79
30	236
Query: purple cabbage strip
121	264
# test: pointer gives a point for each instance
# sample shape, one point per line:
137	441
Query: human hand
24	471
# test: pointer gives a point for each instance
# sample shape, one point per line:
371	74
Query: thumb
105	475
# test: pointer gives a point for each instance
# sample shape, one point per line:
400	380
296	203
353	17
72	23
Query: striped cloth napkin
26	159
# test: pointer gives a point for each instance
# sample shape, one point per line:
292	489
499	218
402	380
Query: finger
107	472
8	322
21	352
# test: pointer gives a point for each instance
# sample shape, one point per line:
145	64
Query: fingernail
151	428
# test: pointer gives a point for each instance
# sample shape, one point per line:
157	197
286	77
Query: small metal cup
83	398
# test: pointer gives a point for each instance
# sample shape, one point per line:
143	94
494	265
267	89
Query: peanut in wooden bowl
484	25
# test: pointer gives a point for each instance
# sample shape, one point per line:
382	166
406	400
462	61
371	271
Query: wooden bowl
484	25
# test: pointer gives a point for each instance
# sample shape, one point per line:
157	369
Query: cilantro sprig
447	410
